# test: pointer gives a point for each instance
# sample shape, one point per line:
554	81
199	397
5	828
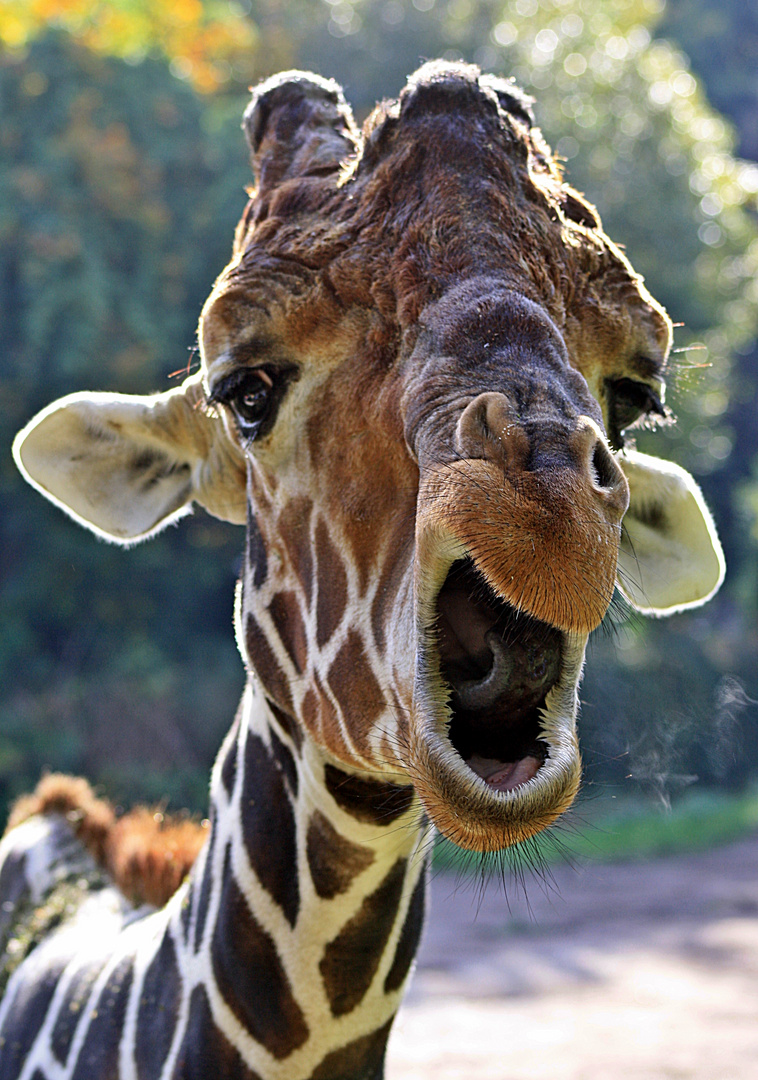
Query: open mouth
493	744
499	666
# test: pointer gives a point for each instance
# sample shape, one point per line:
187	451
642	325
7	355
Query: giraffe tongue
504	775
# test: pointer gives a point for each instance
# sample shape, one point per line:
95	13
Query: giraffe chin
494	750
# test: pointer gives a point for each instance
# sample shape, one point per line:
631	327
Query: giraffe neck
283	956
305	909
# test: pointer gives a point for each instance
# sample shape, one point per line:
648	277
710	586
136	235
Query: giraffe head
417	372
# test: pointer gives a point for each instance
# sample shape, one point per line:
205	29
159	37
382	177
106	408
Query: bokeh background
122	177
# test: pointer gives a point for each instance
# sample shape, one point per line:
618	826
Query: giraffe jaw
494	751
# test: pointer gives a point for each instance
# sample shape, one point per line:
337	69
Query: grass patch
625	830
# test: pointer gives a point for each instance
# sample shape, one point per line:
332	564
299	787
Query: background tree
123	179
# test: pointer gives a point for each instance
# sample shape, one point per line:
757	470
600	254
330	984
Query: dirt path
625	972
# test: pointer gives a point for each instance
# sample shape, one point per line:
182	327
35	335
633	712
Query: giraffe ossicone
418	370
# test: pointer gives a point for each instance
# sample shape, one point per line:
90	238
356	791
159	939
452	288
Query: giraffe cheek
293	527
332	598
357	692
321	717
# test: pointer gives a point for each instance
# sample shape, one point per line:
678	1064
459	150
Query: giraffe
418	372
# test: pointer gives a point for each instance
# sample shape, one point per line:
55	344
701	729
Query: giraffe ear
670	557
298	124
125	466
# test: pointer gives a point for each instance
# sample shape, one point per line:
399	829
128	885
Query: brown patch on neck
364	1057
334	861
250	976
351	960
410	936
204	1042
373	802
268	826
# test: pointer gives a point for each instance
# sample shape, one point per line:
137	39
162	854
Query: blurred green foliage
206	42
721	40
116	178
123	178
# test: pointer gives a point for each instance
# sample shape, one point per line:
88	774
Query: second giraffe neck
308	902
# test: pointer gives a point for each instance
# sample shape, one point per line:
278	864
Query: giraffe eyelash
630	404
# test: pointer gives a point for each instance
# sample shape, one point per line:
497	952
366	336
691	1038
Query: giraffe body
417	372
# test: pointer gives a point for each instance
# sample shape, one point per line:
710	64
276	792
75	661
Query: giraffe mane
146	852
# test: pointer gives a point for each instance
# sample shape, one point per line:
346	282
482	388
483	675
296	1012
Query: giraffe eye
253	395
629	402
251	401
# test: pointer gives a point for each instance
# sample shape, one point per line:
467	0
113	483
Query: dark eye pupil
253	402
626	412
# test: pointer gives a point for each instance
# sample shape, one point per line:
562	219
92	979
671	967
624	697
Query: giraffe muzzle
516	554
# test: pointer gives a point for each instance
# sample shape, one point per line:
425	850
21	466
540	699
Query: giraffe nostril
488	428
604	468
